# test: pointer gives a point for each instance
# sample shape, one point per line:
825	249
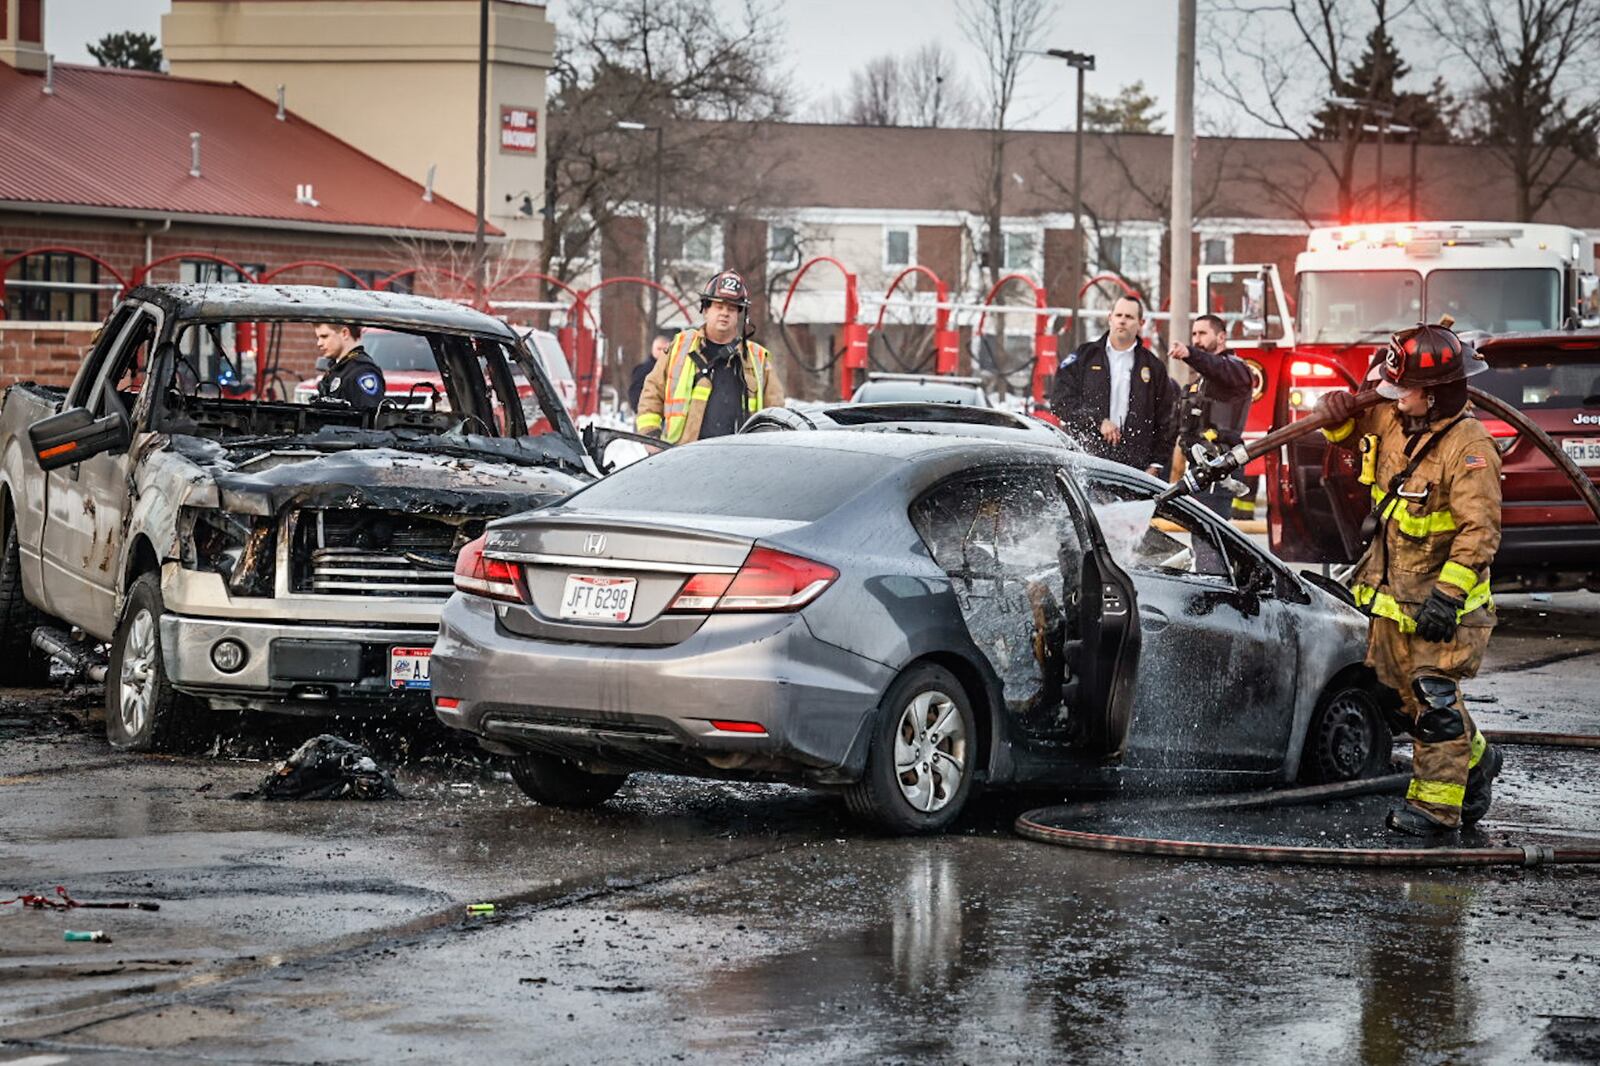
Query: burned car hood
261	477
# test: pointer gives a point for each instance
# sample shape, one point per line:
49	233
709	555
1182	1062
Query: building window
899	248
54	287
1108	255
1019	251
1215	250
685	242
783	247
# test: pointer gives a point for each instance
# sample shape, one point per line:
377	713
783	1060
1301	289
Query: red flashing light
751	728
480	576
769	580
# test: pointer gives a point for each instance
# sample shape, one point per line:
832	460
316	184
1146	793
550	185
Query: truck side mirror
75	435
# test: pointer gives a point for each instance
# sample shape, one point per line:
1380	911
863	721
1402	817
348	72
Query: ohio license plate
1585	451
598	599
408	667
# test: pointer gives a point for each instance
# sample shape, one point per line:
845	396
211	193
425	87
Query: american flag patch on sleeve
1474	462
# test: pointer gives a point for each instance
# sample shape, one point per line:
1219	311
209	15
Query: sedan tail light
769	580
494	578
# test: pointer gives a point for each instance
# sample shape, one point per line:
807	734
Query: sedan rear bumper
652	707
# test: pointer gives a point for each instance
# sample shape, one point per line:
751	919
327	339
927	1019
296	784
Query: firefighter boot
1480	785
1413	821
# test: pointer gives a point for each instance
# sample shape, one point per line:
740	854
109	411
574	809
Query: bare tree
1535	62
1278	61
660	63
1004	31
875	93
934	94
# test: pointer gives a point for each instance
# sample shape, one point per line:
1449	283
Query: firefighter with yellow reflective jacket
1434	474
710	379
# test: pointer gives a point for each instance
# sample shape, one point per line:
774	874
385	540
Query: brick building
104	173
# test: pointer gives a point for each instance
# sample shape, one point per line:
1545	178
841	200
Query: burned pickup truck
202	549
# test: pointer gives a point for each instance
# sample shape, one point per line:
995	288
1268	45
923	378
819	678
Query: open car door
1315	500
1104	652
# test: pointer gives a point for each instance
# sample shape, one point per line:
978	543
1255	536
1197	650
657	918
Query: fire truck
1355	285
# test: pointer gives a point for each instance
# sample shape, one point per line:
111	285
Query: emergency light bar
1401	236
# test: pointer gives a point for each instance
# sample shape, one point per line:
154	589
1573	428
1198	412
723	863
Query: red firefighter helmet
1426	355
728	287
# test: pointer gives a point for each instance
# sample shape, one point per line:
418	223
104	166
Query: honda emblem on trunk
595	544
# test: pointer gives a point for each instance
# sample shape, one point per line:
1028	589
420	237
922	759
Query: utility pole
479	263
1082	62
1182	225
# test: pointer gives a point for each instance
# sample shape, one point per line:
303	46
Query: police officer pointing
1213	406
352	377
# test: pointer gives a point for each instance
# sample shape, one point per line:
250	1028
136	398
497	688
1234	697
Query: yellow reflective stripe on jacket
1459	576
1340	432
1393	508
648	421
1480	744
1443	793
1383	605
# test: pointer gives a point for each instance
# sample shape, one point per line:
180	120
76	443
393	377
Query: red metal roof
119	140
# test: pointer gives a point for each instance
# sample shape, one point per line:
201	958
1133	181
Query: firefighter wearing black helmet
712	378
1434	474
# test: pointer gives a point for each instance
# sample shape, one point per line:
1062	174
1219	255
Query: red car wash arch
854	334
1044	342
588	372
946	341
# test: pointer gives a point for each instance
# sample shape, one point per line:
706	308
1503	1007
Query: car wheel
555	782
20	662
143	711
1348	738
920	765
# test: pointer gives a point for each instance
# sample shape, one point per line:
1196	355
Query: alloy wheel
930	751
137	680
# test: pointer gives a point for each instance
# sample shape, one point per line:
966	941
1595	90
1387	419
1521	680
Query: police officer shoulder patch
1072	357
368	383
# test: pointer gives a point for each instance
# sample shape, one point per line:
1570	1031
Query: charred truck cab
249	553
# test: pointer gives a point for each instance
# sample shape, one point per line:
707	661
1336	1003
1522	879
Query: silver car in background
900	612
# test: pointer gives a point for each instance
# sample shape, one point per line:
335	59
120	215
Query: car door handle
1153	619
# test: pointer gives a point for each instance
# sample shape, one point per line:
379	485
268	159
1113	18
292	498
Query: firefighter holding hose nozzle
1434	474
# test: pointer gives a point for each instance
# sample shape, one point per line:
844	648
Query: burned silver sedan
900	612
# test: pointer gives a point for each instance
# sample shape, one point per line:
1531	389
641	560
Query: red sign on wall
519	129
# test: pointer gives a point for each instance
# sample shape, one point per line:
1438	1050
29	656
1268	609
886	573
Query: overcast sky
827	39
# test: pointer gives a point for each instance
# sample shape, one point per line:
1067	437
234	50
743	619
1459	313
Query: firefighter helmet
727	287
1424	356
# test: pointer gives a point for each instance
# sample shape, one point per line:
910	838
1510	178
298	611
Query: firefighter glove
1436	620
1338	405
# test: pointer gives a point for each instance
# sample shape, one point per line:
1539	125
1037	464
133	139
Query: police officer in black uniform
1214	405
352	377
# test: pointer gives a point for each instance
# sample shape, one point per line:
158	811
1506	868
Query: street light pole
656	234
1182	224
1082	62
479	266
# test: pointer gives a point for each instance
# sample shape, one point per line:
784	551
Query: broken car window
1166	540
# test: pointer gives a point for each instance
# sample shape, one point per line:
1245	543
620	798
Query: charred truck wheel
1349	735
555	782
924	748
143	711
20	662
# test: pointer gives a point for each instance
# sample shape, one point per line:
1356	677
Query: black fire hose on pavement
1044	825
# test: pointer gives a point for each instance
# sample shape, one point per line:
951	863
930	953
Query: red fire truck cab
1354	286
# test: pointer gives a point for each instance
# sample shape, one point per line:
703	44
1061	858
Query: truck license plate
1585	451
408	667
598	599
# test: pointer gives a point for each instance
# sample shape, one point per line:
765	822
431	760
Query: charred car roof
319	303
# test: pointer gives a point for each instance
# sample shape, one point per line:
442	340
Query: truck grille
376	553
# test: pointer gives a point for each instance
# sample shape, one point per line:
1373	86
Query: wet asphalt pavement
700	921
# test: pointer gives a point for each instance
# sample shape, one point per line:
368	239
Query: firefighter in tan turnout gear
1434	474
711	379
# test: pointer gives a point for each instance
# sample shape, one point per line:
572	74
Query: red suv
1550	539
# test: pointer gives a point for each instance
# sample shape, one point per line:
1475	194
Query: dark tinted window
795	484
399	351
1533	383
